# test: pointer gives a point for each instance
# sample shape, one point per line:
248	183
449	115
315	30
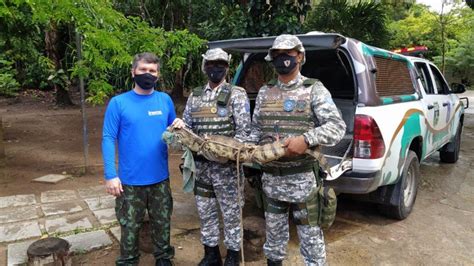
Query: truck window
393	77
256	74
439	80
424	76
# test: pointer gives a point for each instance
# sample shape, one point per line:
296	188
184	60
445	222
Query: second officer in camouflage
218	108
301	111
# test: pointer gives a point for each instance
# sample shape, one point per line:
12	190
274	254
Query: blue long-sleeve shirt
136	122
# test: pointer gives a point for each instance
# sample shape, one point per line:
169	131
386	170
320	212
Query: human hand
178	123
295	146
114	186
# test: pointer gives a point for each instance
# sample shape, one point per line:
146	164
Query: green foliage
470	3
8	85
424	27
114	30
21	42
418	28
460	56
59	78
365	21
110	39
236	19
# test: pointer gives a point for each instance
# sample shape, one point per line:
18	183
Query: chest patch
154	113
289	105
300	105
222	112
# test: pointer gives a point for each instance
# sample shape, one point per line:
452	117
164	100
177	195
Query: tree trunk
177	93
51	41
442	20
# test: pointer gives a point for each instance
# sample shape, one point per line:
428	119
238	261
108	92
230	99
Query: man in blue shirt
135	121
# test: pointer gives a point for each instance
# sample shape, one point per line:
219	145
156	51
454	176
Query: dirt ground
42	139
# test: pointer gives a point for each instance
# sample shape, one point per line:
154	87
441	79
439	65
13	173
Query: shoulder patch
272	82
310	82
198	91
237	88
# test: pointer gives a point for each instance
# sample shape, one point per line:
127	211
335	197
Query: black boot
232	258
212	257
163	262
274	262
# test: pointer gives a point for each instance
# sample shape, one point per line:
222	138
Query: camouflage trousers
130	211
311	238
223	178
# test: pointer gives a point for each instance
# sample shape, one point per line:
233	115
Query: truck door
442	90
432	105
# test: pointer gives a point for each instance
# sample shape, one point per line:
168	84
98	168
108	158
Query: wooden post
83	105
2	145
49	251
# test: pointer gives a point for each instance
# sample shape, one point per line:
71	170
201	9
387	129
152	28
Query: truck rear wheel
450	152
403	194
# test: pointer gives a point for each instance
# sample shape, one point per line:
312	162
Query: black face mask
145	81
284	63
215	73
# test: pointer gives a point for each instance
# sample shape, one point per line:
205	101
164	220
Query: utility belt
284	171
320	205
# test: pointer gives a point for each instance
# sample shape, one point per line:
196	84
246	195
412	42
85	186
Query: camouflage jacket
329	130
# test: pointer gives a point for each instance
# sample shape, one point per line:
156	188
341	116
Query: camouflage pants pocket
327	200
321	207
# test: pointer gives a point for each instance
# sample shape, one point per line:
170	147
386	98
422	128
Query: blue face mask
284	63
145	81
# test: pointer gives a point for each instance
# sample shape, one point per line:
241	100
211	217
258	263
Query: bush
8	84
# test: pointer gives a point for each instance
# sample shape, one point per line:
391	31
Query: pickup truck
398	110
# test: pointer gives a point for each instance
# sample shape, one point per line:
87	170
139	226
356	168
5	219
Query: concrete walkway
80	216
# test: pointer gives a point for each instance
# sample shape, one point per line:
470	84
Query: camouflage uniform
130	209
302	106
216	183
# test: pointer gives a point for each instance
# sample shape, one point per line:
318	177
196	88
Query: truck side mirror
457	88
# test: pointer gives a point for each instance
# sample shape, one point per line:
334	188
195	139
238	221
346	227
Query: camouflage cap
216	54
286	42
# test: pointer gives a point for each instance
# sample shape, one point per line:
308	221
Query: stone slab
102	202
50	179
17	253
92	192
66	224
9	215
19	231
60	208
85	242
17	200
116	232
58	195
105	216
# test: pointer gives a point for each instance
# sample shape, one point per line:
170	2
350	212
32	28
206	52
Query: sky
435	5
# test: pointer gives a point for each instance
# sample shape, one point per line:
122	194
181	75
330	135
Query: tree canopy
38	51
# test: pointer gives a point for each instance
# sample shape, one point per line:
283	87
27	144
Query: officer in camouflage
218	108
301	111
